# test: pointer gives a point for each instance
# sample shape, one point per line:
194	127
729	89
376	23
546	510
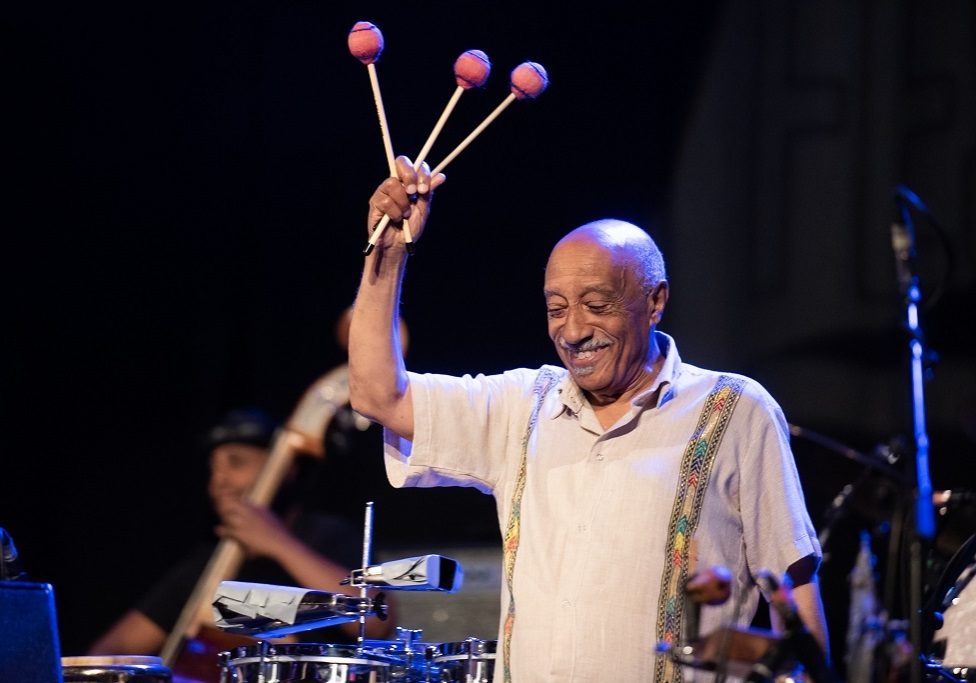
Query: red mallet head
471	69
529	80
365	42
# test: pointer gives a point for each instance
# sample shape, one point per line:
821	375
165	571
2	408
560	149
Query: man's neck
610	408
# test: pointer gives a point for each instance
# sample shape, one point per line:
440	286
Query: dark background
188	208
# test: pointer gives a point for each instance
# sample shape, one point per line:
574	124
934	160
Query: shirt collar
571	397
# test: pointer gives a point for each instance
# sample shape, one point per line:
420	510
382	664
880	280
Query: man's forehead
239	450
578	255
585	268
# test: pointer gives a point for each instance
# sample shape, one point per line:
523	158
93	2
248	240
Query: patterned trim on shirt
696	467
543	383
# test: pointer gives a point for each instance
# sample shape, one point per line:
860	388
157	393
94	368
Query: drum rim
465	658
461	649
113	664
291	659
398	646
111	660
292	649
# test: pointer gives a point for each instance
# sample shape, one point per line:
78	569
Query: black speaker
30	650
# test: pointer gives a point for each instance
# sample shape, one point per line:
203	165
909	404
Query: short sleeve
776	524
464	430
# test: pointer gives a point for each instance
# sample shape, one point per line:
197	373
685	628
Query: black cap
251	426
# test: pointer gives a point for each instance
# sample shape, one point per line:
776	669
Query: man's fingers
437	181
407	174
425	183
396	208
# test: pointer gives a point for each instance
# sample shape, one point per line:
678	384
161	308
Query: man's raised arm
378	383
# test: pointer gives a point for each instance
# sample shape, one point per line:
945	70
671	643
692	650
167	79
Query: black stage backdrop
197	179
187	223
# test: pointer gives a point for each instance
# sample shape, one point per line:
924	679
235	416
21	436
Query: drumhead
955	597
959	627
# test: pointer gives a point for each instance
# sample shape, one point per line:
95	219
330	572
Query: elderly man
614	475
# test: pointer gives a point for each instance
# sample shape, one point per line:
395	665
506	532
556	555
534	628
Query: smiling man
615	475
605	292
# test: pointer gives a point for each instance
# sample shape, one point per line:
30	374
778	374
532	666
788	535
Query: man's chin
586	377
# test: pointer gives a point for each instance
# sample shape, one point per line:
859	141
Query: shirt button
566	603
599	456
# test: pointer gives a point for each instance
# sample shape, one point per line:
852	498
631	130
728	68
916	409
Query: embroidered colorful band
510	544
696	466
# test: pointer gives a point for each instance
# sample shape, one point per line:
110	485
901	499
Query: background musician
287	544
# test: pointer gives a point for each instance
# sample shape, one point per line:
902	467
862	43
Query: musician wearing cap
283	544
616	475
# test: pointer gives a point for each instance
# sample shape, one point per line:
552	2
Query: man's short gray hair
640	247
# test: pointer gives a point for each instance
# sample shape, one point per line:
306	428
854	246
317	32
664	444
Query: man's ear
657	300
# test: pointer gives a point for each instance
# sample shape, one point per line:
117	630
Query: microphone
903	246
903	241
423	573
10	569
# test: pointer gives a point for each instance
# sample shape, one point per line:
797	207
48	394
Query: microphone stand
903	243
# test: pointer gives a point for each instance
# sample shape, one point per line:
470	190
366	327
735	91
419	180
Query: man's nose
218	480
575	328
